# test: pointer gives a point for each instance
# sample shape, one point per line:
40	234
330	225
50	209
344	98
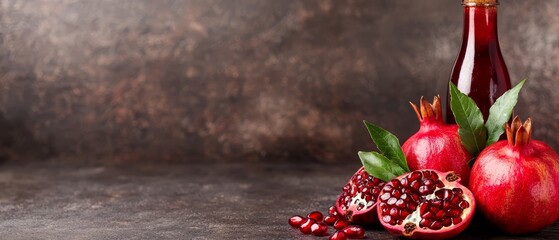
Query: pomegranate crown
518	133
427	110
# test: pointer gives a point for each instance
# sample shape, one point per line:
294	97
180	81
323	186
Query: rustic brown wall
229	80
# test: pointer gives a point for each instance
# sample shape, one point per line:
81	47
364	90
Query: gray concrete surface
163	201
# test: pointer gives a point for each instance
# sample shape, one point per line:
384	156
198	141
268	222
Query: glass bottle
479	70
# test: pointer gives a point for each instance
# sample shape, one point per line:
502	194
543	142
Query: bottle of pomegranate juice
480	71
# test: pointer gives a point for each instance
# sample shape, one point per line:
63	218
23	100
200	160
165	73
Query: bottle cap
486	3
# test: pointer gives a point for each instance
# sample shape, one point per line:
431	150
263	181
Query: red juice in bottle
480	70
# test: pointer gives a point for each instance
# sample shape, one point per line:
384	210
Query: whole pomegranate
516	181
426	204
436	145
357	202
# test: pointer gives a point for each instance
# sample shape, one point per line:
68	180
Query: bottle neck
480	25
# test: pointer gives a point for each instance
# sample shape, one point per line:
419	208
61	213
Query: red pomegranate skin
437	146
517	187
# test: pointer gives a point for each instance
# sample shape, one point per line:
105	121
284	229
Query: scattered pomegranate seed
306	226
339	235
316	215
341	224
354	231
319	229
296	221
330	220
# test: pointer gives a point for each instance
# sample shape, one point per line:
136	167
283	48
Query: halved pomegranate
426	204
357	202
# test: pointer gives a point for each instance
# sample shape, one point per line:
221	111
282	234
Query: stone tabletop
54	200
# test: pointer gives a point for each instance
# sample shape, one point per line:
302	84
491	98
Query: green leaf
501	112
379	166
387	144
469	118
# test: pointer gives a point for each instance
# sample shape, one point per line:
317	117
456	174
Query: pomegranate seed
440	215
439	193
447	222
455	200
384	196
448	194
354	231
306	226
427	182
433	210
414	184
339	235
396	193
341	224
426	174
387	188
456	220
400	203
414	176
404	196
427	215
436	225
394	212
443	193
296	221
319	229
330	220
434	175
404	213
446	204
437	203
385	211
415	197
423	207
404	182
424	190
387	218
383	205
412	206
424	223
464	204
316	215
455	213
395	183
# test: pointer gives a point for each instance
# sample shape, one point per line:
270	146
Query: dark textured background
227	80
